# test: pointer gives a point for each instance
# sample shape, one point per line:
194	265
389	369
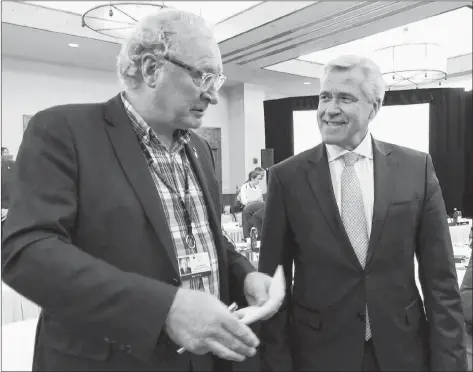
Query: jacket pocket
413	312
61	339
311	318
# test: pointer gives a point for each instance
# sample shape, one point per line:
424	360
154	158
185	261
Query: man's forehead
341	81
203	56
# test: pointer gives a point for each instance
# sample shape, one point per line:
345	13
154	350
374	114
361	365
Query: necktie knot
350	158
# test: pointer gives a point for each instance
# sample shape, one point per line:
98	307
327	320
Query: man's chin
195	123
331	139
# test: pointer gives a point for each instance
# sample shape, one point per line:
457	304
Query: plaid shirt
169	166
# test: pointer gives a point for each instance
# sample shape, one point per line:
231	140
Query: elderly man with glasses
110	197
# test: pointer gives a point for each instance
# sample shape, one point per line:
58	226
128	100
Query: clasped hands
201	323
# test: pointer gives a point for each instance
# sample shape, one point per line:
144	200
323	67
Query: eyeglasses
204	80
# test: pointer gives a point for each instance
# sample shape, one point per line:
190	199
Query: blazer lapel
321	183
198	156
385	167
133	162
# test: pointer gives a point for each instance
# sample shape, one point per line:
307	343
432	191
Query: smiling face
344	110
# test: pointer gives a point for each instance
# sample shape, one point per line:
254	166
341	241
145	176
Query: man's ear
375	109
149	69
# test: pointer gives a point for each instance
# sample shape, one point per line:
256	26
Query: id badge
194	266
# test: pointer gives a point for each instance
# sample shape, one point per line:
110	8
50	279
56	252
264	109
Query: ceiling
437	30
253	35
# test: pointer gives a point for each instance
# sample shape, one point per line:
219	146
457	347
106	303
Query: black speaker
267	158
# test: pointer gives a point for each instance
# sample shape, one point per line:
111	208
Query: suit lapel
321	184
198	156
385	167
133	163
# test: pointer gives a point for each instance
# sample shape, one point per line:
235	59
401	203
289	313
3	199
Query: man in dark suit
108	196
466	290
351	214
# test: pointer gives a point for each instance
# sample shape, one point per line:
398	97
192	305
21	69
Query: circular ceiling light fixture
117	19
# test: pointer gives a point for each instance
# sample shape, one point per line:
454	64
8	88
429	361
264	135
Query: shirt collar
181	136
365	149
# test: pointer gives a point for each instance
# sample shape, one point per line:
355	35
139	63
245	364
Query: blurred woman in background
251	197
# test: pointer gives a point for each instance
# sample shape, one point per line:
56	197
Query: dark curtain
278	128
450	135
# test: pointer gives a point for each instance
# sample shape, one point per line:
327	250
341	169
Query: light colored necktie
353	215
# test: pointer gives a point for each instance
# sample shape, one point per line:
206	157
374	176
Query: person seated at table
466	290
251	197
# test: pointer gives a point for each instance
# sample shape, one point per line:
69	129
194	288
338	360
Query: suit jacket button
107	340
128	349
361	317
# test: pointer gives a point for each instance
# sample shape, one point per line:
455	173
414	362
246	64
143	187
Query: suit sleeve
40	260
438	279
276	249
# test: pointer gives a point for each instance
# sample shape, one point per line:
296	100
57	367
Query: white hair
158	34
373	83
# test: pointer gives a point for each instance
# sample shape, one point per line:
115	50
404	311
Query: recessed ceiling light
73	45
307	83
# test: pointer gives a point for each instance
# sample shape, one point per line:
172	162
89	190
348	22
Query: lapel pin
195	153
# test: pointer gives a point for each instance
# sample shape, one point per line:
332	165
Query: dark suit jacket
322	324
8	171
466	290
87	239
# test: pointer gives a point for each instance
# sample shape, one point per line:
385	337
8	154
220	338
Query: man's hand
264	294
4	213
256	288
201	323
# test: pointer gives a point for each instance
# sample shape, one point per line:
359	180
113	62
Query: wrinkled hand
201	323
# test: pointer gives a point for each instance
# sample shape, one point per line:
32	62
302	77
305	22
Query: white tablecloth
234	231
460	234
15	307
18	345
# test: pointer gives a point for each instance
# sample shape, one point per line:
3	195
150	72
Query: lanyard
186	202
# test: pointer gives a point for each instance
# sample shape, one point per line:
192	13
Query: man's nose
211	95
333	108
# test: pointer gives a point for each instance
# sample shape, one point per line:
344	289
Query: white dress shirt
364	171
250	194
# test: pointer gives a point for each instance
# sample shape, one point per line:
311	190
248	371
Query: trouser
370	363
246	216
257	219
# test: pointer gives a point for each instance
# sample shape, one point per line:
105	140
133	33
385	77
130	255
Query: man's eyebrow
346	94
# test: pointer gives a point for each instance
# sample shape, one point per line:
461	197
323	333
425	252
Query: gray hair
158	34
373	85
